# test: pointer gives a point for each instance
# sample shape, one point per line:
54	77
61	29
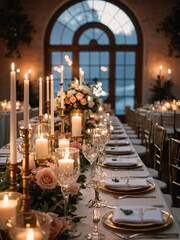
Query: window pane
130	58
130	72
56	56
103	39
104	58
129	101
129	88
120	106
67	37
119	72
94	56
83	40
104	74
83	58
120	58
94	72
119	89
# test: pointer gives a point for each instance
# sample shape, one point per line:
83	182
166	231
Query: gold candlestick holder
62	115
52	141
47	107
40	118
13	179
26	174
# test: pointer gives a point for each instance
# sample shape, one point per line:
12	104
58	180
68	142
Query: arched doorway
102	37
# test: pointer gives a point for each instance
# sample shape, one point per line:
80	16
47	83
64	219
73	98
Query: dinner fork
148	235
132	196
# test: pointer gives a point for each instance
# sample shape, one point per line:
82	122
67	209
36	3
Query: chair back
174	170
148	133
159	134
168	122
141	127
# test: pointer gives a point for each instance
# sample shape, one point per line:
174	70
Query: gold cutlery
132	196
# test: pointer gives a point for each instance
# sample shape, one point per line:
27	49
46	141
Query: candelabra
52	140
13	180
26	175
62	115
47	107
40	118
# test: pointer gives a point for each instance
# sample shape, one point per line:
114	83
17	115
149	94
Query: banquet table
86	224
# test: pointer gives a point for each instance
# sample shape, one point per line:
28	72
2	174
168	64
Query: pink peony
67	101
72	99
79	96
57	227
83	101
74	188
46	178
76	145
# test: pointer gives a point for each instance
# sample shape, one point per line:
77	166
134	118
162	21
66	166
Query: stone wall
155	45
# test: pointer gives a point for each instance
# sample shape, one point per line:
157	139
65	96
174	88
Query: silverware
147	235
132	196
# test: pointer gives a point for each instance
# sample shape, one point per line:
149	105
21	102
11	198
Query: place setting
119	150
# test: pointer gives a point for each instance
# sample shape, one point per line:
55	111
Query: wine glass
90	152
67	170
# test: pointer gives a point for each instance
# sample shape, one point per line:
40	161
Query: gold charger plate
120	153
121	167
119	144
107	220
130	188
133	191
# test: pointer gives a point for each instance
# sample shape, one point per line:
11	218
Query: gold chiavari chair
174	175
167	121
147	139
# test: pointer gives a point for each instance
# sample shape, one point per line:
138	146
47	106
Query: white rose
91	103
70	93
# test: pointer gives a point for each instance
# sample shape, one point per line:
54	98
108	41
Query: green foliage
15	27
171	27
161	90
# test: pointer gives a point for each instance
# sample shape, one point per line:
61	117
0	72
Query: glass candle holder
42	149
29	225
10	203
63	143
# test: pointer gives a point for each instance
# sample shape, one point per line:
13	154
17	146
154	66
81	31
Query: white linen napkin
120	149
118	142
118	136
118	131
140	214
4	151
121	162
112	183
5	158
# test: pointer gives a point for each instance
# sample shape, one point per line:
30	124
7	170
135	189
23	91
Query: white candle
62	74
63	143
66	167
13	125
40	96
41	148
62	97
52	106
30	234
76	125
7	210
47	89
80	76
26	102
160	70
169	74
29	77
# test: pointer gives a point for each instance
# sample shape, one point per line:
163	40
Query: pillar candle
13	125
169	74
30	234
62	74
40	96
26	102
7	210
66	167
76	125
47	89
52	106
42	148
63	143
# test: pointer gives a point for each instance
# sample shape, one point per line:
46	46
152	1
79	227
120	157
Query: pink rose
72	99
46	178
57	227
79	96
76	145
83	101
36	170
67	101
74	188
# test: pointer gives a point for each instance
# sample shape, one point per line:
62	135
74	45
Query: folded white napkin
113	183
118	142
118	131
4	151
118	136
140	214
121	162
120	149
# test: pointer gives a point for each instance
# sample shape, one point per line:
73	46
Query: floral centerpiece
78	97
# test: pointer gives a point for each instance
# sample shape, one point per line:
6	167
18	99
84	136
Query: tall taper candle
26	102
80	76
52	106
62	68
40	96
13	125
47	89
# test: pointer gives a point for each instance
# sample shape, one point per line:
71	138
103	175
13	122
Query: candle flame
160	67
169	71
77	115
25	76
30	235
76	81
18	70
5	201
47	78
80	69
62	68
100	108
29	71
12	66
40	80
41	137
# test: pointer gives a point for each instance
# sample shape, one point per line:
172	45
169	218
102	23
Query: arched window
104	39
